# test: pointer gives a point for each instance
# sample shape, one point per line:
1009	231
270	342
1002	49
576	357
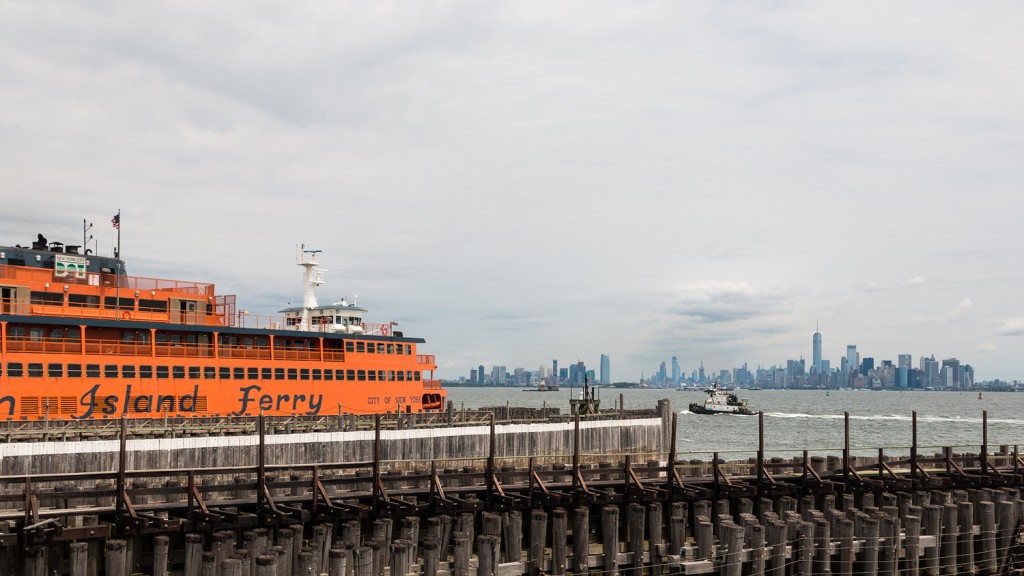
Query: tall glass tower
606	370
816	352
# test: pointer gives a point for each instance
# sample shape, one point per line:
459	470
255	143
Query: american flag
116	221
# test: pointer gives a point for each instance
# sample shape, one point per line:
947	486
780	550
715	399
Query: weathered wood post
635	525
512	533
559	538
912	544
932	526
161	545
266	565
580	540
79	560
487	555
400	557
115	557
868	565
538	539
965	552
337	562
193	554
654	536
462	554
364	561
987	540
610	539
950	536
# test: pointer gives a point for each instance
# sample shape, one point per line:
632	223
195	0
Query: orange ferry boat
79	338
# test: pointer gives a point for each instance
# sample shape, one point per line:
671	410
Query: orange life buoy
384	330
126	315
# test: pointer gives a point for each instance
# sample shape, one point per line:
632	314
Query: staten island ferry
80	338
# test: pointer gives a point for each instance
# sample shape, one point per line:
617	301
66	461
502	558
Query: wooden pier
586	511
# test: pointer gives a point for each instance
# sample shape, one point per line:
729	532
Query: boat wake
894	417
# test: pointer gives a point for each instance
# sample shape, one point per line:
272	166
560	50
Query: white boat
721	402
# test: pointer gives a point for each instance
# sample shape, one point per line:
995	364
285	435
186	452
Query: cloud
915	281
715	302
985	347
960	310
1012	327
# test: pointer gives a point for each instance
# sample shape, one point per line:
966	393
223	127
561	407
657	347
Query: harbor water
812	420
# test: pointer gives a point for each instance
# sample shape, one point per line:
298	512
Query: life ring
126	315
108	349
384	330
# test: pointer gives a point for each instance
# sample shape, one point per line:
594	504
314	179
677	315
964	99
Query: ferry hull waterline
81	339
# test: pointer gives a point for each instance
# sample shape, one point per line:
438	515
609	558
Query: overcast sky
516	182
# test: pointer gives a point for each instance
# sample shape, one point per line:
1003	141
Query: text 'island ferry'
80	339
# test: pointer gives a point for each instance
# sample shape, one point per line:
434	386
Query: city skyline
855	370
521	180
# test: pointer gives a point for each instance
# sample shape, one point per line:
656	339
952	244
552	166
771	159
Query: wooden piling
635	528
266	565
193	554
538	539
912	545
115	551
487	555
512	536
581	540
655	529
610	539
161	549
363	557
965	540
462	554
987	538
931	525
559	539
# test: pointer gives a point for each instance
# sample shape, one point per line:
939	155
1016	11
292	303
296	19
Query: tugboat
721	402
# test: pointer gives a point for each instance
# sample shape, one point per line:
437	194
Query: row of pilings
951	512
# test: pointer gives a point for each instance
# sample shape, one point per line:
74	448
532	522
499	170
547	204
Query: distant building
906	360
867	364
950	373
816	352
851	358
480	374
606	370
675	370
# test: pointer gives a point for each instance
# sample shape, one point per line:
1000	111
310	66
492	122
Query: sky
521	181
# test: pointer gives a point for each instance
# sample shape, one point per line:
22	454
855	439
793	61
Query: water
796	420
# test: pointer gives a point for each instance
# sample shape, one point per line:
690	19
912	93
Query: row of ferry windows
142	337
36	370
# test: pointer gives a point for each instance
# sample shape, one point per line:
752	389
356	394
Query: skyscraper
816	352
675	370
606	370
851	357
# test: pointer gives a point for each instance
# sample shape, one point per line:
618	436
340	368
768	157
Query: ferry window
128	371
55	370
47	298
278	373
152	306
35	369
178	371
110	370
371	375
360	346
265	373
92	370
74	370
401	376
161	337
391	375
253	373
145	371
328	375
142	337
292	374
416	375
350	375
35	334
122	303
339	374
209	372
14	369
391	348
162	372
380	375
317	374
360	375
350	346
304	374
193	372
57	334
225	372
399	349
408	349
239	373
16	332
83	301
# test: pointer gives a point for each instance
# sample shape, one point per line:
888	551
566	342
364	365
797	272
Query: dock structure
505	512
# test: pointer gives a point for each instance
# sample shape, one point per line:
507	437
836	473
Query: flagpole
119	237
